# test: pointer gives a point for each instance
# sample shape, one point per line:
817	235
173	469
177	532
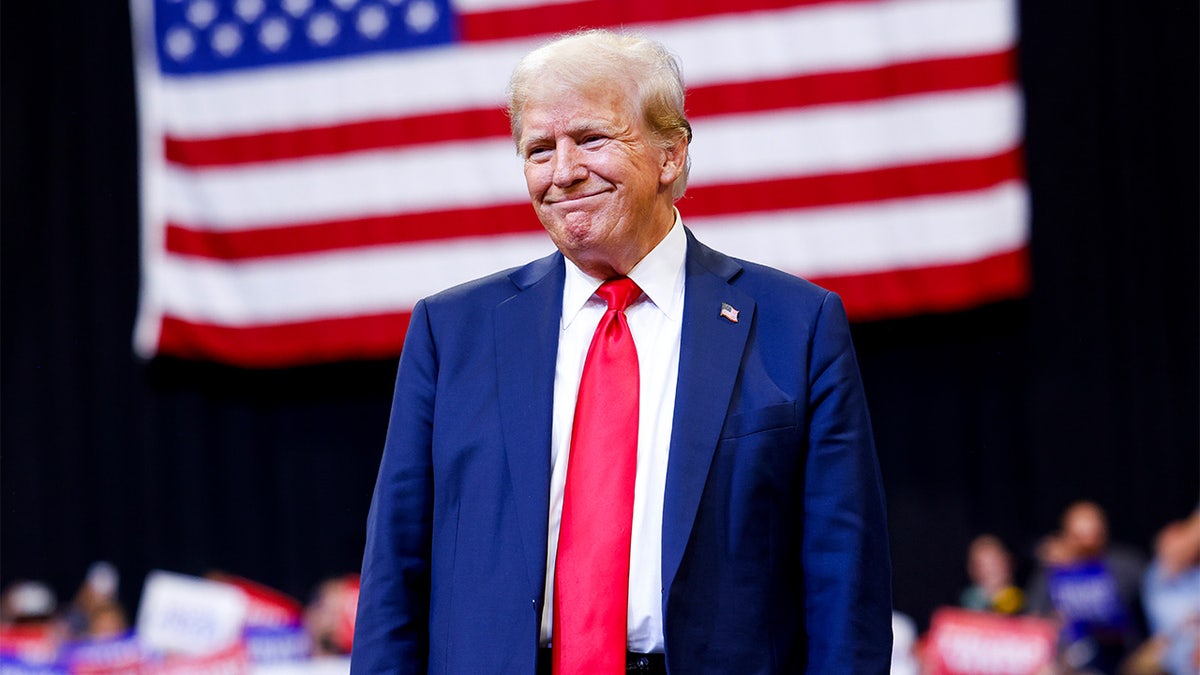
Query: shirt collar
659	274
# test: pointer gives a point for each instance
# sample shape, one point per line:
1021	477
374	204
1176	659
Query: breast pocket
770	418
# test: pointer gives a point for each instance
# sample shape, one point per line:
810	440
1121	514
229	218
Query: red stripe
288	344
899	79
854	86
874	296
946	288
523	22
854	187
782	194
337	139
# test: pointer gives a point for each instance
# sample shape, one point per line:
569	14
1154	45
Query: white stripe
834	37
828	139
902	233
736	148
344	283
475	6
816	242
453	175
727	48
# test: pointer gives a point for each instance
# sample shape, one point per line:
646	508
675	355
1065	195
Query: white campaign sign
189	615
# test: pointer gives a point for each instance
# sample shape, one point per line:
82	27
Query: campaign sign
117	656
28	644
1086	597
266	606
963	642
189	615
277	644
12	664
229	661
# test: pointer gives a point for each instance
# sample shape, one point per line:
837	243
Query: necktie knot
619	293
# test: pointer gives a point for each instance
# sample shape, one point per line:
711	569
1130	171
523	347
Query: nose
568	164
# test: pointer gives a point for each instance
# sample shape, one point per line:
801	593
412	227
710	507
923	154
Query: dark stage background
988	420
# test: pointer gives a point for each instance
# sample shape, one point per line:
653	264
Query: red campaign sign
265	605
36	643
962	642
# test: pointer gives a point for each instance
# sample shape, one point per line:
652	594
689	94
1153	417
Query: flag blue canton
204	36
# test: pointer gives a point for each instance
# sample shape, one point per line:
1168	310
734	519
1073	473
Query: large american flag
311	168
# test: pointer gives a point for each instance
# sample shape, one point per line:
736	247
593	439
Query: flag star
345	5
323	28
249	10
201	13
226	39
179	43
372	21
297	8
274	33
421	16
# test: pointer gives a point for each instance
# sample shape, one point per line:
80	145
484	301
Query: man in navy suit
758	541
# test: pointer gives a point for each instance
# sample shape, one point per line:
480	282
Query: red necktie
591	578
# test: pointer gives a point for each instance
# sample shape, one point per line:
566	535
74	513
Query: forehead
552	104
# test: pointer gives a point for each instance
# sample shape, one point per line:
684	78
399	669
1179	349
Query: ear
674	160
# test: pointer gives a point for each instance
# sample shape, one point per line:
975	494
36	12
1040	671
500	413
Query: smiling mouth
569	199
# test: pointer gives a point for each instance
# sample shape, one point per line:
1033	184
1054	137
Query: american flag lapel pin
729	312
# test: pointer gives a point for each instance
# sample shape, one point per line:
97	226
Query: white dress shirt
656	321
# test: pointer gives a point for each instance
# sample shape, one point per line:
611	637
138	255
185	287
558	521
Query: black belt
642	664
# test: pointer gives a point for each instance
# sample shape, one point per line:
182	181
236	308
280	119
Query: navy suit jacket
775	553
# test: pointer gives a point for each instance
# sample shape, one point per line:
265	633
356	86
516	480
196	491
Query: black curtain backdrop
987	420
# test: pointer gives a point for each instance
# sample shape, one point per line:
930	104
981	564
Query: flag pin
729	312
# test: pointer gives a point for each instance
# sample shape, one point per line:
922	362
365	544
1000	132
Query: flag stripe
900	79
942	288
508	23
367	336
771	195
281	345
820	140
833	241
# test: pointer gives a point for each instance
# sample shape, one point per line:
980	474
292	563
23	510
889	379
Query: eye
592	139
536	152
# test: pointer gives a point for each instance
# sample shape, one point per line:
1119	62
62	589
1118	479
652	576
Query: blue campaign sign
1086	597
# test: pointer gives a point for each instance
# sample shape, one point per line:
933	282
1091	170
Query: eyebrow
574	128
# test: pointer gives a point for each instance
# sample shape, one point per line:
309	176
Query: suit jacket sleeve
392	628
845	550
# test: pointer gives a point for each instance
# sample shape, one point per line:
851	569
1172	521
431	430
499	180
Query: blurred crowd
93	633
1092	605
1106	607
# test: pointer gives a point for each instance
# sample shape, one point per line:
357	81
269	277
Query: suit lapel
527	326
710	353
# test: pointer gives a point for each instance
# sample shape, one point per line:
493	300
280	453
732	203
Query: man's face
598	182
1086	531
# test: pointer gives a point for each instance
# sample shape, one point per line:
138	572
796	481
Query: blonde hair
579	60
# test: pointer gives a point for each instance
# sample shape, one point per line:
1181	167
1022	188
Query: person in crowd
990	569
95	610
1171	597
29	624
636	452
27	602
329	616
1092	586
